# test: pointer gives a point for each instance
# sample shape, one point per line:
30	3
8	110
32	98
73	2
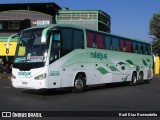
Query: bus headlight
41	77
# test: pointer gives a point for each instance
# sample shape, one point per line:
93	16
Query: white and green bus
60	55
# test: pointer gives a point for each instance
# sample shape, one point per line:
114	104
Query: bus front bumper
29	84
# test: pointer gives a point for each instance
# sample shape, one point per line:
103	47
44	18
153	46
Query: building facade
92	19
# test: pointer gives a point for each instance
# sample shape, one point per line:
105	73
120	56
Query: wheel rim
134	80
79	84
141	77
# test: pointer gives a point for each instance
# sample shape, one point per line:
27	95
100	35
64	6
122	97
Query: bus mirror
8	41
21	51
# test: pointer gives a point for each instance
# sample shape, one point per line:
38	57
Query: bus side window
122	45
115	44
100	41
107	42
55	48
67	38
66	41
90	39
148	50
134	47
78	39
144	49
139	50
128	46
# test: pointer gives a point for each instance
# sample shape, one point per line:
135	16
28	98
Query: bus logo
24	74
99	55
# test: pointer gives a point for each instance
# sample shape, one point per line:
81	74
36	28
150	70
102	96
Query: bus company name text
26	74
99	55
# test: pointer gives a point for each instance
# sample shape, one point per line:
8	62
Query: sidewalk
5	76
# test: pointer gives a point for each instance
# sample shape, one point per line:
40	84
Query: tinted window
122	45
55	48
77	39
148	50
134	47
144	49
128	46
107	42
139	48
100	41
115	44
90	39
67	38
71	39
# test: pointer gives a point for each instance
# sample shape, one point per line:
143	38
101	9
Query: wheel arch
134	72
76	75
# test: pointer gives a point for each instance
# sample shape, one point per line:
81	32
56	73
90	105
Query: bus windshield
31	50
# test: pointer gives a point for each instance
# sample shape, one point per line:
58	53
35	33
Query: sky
129	18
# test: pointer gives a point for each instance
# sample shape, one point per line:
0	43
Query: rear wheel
134	79
79	83
140	78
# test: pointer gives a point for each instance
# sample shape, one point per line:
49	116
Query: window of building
13	25
1	25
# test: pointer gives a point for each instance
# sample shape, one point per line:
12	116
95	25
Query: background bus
59	55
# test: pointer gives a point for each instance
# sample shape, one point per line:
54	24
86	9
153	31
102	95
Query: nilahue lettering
99	55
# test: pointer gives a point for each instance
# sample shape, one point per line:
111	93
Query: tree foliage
155	32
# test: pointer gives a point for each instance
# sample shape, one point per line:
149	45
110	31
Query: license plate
24	83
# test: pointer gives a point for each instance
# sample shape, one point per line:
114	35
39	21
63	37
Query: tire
133	80
140	78
79	83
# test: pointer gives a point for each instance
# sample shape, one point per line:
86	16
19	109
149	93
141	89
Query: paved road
115	97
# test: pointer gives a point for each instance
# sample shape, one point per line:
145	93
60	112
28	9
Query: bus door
55	54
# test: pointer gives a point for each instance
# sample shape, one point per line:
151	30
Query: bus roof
79	27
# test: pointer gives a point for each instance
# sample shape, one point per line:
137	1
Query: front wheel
79	83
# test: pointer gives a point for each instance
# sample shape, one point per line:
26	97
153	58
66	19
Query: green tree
155	32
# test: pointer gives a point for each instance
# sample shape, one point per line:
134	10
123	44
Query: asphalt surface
113	97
